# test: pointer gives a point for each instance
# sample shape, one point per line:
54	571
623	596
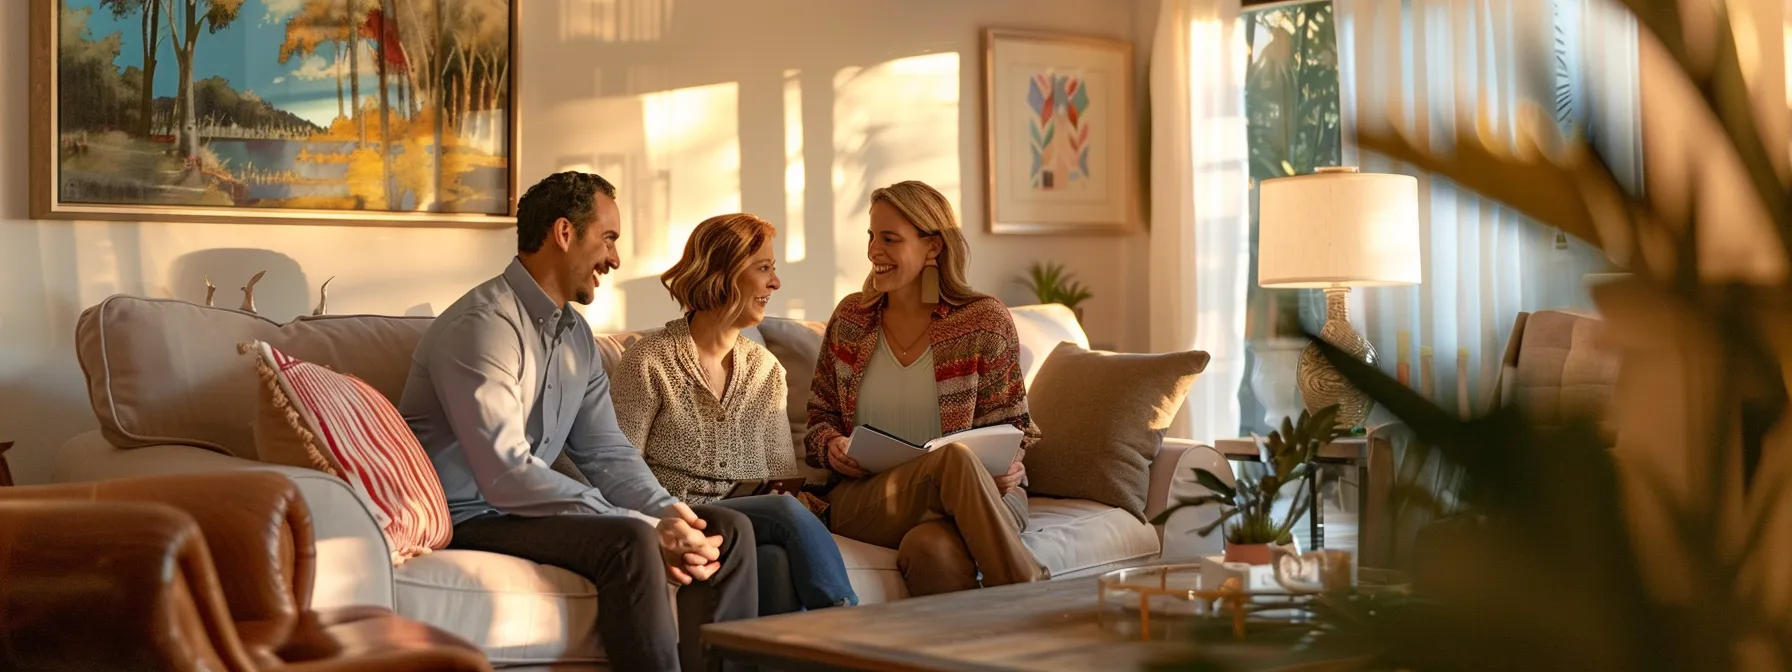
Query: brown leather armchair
188	572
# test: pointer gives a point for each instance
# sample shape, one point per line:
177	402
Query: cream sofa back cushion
165	371
1041	327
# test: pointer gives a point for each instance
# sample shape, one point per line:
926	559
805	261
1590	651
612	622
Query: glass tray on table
1158	602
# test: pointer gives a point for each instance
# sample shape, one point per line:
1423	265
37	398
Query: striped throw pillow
310	416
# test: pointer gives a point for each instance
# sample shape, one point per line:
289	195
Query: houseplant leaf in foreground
1541	576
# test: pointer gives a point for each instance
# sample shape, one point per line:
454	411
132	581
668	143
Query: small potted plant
1050	283
1247	508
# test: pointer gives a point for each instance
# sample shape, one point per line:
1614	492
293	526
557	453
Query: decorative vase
1273	379
1320	384
1250	554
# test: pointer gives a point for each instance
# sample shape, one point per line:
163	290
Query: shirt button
550	386
539	320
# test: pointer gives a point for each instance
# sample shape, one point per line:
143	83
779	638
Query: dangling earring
930	283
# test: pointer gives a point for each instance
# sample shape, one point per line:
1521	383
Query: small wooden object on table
5	472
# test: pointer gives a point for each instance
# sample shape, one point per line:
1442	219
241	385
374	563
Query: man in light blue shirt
507	378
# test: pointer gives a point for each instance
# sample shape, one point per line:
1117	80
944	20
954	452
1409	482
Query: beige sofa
172	395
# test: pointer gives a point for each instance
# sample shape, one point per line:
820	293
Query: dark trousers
621	556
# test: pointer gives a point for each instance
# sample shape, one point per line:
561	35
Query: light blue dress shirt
499	385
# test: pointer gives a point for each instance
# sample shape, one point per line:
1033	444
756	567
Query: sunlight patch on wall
608	307
894	121
674	156
795	243
1785	57
694	135
615	20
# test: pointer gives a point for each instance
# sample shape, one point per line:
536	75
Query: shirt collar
535	299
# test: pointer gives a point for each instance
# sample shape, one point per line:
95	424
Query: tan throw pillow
1102	416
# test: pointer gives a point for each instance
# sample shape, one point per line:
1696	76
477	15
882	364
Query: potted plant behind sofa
1291	454
1050	283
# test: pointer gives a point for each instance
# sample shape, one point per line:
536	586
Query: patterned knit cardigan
976	368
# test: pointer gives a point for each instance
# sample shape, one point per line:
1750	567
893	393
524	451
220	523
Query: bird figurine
211	290
249	292
323	298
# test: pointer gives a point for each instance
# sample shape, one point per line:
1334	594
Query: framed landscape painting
368	112
1058	124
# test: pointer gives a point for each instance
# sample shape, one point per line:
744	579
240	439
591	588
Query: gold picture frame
125	165
1060	136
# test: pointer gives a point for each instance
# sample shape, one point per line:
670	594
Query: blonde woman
920	354
707	407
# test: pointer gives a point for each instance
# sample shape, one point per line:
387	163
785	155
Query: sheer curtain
1430	68
1200	221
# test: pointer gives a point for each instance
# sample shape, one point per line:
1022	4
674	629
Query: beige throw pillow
1102	416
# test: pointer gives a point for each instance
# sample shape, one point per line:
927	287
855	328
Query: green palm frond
1051	283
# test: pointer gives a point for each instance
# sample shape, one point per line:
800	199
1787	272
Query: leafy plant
1291	90
1580	557
1050	283
1294	126
1292	461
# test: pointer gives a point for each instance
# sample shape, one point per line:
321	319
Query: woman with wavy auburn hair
919	354
707	406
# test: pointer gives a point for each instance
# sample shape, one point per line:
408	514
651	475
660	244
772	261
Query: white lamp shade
1335	229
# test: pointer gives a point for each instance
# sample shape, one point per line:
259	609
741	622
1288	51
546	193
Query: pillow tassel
284	405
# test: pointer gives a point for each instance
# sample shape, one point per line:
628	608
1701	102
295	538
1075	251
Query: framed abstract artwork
347	112
1059	133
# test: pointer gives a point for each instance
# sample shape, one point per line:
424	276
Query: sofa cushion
797	345
1559	370
314	417
1101	416
860	555
520	612
1069	536
160	371
515	610
1041	328
611	346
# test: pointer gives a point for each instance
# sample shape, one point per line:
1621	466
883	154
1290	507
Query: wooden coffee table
1049	625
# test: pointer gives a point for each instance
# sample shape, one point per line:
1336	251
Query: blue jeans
817	575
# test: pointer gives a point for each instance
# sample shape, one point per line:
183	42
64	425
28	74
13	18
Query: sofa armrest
91	585
1172	479
354	565
1163	472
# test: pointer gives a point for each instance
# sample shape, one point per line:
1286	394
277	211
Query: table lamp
1336	229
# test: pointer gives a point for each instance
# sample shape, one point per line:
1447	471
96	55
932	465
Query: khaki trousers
941	511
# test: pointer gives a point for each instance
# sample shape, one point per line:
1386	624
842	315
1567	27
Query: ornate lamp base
1320	384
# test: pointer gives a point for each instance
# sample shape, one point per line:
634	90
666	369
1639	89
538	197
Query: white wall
682	104
795	110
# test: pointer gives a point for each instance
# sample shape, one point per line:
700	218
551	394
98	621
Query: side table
5	472
1353	452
